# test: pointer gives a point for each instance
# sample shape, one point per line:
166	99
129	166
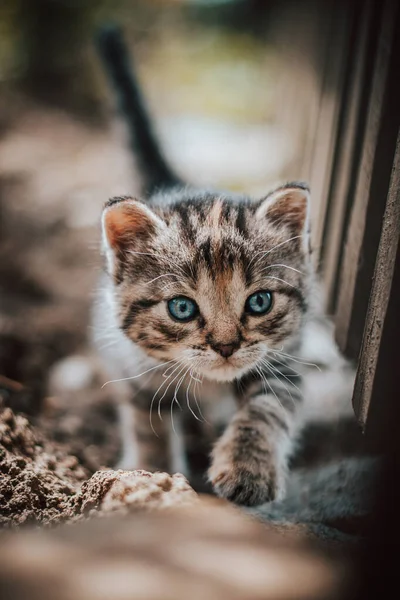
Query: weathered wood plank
326	132
372	186
347	148
377	315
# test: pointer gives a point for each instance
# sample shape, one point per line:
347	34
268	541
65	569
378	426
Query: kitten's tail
155	172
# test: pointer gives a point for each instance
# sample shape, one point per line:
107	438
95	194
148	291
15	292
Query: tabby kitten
209	302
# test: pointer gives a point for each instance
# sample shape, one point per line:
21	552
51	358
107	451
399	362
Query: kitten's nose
226	350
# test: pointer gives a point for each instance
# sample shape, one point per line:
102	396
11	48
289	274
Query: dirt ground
55	175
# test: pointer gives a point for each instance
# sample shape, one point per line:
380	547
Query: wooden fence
345	67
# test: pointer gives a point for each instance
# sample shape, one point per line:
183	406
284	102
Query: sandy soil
55	175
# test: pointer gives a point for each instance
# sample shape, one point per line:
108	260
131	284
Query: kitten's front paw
247	484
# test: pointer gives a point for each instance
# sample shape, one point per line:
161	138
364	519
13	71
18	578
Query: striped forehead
219	239
206	212
221	292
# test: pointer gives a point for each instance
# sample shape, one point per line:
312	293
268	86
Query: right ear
127	224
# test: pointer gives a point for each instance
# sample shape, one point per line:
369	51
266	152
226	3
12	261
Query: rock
41	483
123	492
37	478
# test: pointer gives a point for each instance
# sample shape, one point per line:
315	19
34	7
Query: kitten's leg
249	461
198	437
144	447
129	448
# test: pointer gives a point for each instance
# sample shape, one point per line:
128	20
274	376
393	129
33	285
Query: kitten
210	305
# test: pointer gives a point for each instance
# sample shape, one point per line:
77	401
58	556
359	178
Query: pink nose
226	350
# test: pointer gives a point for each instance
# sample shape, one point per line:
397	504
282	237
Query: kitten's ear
127	224
289	206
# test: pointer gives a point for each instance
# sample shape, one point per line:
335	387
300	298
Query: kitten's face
213	283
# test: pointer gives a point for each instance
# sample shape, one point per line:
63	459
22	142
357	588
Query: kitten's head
210	280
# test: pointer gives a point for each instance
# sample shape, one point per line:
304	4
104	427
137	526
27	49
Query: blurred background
240	91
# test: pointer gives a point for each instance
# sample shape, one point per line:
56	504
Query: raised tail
155	172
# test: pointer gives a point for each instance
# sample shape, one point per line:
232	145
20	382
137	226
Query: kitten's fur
216	249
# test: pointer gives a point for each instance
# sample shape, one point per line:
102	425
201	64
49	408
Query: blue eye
259	303
182	308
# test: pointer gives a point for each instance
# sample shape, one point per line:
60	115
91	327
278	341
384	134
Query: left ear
127	225
289	206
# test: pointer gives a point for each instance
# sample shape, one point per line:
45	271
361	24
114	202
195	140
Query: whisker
104	336
287	366
160	400
175	399
197	362
240	385
169	385
160	276
264	253
136	376
172	367
271	366
176	392
172	418
273	391
196	400
295	359
152	403
261	374
265	381
279	279
180	363
178	385
196	380
146	254
280	382
188	398
188	401
168	285
161	258
286	267
108	345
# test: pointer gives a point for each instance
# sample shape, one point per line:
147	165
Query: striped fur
216	249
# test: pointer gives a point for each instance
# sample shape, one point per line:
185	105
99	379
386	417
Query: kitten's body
227	367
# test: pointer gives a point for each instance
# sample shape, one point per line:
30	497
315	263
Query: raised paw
247	484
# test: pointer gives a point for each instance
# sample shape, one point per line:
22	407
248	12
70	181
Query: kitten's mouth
227	369
217	368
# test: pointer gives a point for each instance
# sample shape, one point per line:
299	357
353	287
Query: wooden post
377	376
373	178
